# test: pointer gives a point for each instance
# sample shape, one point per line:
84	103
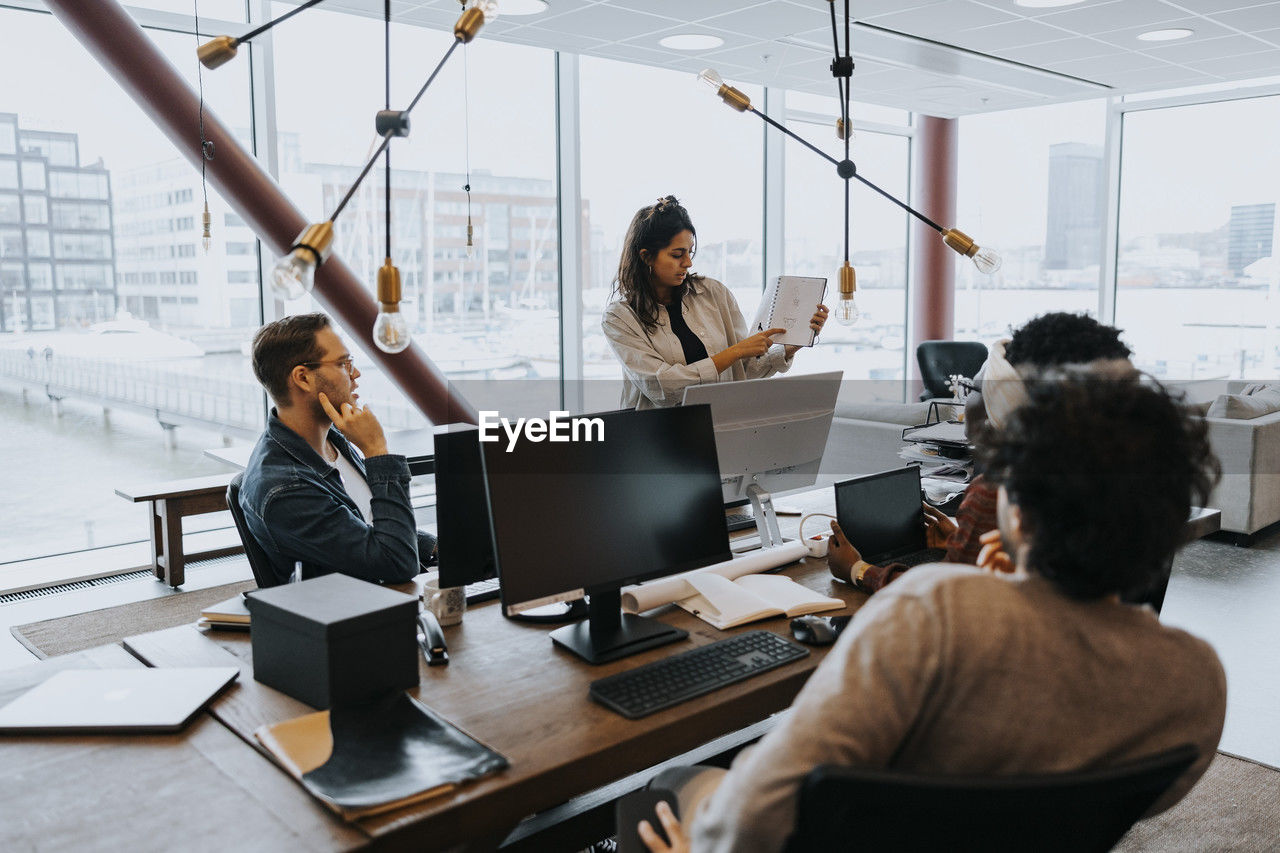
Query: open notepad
789	303
727	603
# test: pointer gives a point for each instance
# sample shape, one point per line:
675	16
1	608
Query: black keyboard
661	684
479	591
740	521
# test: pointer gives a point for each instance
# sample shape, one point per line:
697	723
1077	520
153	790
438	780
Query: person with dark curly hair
960	672
672	328
1050	340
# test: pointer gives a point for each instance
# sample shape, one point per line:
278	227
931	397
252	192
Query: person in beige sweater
670	327
955	671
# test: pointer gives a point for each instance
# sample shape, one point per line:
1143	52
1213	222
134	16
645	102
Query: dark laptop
883	517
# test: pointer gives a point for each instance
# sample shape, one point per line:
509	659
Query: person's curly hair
1064	338
1105	469
652	230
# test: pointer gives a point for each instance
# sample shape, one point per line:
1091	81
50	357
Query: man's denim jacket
297	509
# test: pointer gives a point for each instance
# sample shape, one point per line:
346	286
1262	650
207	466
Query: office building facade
1249	235
57	254
1077	206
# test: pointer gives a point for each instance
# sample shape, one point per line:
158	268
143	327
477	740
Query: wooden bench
171	502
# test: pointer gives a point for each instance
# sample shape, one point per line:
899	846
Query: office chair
1078	812
940	359
258	560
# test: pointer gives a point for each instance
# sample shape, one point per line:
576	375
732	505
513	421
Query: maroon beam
935	309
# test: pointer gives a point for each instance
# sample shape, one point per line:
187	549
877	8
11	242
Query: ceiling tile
679	10
1127	38
869	10
1060	51
1269	36
1106	17
1108	69
1000	37
942	20
1266	63
1012	7
1209	7
1251	19
638	53
1169	76
771	20
567	41
603	22
1198	51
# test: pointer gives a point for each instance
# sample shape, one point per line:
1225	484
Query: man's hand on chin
359	425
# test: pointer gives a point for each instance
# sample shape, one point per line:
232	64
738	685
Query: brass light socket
389	287
848	281
960	241
316	239
218	51
734	98
468	25
840	129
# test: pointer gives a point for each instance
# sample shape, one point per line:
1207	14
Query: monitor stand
608	634
766	518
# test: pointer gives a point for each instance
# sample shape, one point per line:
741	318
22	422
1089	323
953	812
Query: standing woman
671	328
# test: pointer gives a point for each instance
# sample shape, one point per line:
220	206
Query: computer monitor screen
465	548
882	514
587	517
769	432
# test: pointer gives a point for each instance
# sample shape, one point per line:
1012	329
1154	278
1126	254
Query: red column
935	147
124	50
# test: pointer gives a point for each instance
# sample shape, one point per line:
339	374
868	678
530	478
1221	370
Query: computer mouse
813	630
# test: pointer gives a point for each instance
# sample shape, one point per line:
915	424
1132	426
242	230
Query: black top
694	349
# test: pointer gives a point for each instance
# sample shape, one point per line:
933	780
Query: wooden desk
508	686
416	445
199	789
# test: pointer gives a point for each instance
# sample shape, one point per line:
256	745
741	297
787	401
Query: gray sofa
866	436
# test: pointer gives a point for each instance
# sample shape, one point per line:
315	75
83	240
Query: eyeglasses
347	363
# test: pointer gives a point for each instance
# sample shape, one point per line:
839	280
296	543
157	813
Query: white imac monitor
770	436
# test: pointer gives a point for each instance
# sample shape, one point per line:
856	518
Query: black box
334	640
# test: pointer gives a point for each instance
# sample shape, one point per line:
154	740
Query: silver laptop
116	700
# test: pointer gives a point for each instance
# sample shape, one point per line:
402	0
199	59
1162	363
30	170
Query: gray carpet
81	631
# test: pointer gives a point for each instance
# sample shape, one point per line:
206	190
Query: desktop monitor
465	547
582	517
770	435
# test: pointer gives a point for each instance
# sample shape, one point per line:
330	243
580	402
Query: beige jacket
653	361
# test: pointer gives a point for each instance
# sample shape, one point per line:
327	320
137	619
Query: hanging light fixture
294	275
986	259
390	331
221	50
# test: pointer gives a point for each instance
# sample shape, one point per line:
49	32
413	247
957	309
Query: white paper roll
655	593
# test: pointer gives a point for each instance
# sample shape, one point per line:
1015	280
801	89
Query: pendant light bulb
711	78
206	238
295	275
488	7
390	330
847	312
987	260
471	246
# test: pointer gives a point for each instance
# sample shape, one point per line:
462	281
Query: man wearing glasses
320	487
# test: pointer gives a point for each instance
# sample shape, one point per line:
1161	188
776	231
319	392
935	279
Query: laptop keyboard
918	558
479	591
663	683
740	521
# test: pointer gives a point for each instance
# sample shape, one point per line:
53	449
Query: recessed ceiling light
522	7
1166	35
1046	4
691	41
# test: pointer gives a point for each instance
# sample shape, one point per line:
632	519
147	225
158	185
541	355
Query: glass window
872	348
11	243
76	463
82	246
636	138
33	175
35	208
1196	270
1032	185
8	174
10	210
83	215
12	277
37	243
8	138
475	321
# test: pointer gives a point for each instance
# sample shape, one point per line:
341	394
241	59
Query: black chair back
258	560
940	359
841	808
